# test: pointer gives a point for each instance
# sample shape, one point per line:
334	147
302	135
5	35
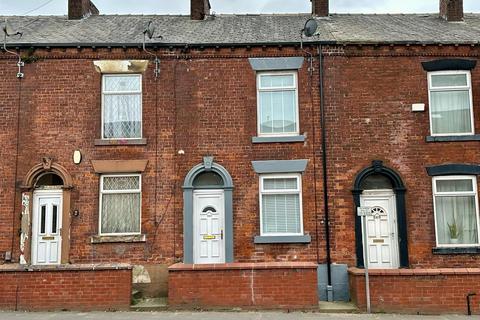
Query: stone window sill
452	251
473	137
282	239
116	239
121	142
286	139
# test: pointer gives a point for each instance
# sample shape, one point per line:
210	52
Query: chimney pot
79	9
451	10
199	9
320	8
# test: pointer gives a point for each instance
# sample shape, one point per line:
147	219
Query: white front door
46	227
208	226
382	234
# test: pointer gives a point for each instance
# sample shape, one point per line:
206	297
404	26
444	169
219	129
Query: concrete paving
215	316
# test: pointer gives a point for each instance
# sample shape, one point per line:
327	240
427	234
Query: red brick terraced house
221	159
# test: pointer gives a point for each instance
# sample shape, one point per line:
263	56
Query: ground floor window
281	205
456	210
120	204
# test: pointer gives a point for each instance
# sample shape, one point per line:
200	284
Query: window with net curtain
277	104
120	204
450	103
122	106
455	200
281	205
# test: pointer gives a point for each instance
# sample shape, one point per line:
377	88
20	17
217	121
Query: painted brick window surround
277	99
280	199
450	100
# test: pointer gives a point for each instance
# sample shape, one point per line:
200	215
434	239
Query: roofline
160	45
229	45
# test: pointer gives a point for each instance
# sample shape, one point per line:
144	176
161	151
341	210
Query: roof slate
243	29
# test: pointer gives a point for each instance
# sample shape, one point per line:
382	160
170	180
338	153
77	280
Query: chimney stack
79	9
451	10
320	8
199	9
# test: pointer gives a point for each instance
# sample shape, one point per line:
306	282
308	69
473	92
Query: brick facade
370	118
69	288
283	285
424	291
204	103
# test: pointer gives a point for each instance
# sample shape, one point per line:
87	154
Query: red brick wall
431	291
369	93
65	290
248	285
206	106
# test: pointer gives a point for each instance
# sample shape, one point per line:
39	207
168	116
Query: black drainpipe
325	180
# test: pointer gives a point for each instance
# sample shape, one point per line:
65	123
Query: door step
150	304
337	307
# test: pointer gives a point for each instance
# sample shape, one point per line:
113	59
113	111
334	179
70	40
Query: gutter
230	45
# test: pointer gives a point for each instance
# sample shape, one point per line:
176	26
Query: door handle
221	234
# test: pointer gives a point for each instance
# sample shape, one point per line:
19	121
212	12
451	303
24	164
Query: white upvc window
277	104
120	204
456	211
281	205
451	103
122	106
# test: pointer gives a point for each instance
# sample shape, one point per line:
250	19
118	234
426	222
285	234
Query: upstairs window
456	211
122	106
281	205
451	111
277	104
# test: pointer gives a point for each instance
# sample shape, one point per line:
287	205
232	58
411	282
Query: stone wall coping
415	272
242	266
64	267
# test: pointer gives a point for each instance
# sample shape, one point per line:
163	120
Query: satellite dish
149	30
310	28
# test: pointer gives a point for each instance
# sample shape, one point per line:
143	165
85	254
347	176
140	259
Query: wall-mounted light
76	213
77	157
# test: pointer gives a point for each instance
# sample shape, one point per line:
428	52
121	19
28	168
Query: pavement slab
215	316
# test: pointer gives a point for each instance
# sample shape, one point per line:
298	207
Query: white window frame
298	191
456	193
104	93
275	89
450	88
102	192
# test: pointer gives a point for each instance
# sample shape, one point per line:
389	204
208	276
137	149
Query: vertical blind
281	206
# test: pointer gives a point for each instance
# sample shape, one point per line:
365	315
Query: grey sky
58	7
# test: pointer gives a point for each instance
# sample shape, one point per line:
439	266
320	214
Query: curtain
122	116
456	210
121	213
450	111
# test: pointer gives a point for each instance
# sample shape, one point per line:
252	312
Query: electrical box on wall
418	107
